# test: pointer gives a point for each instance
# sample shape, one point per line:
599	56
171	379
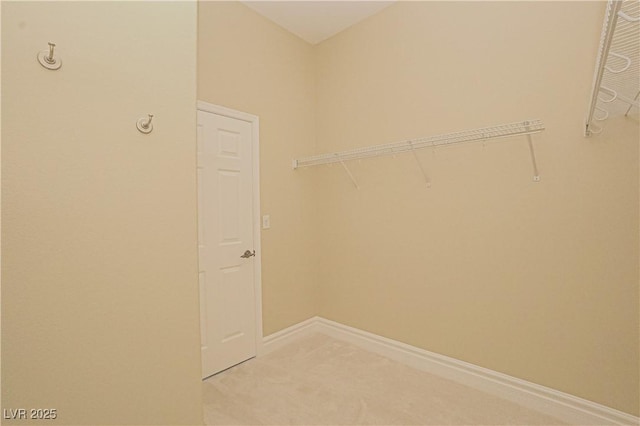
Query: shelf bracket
346	169
536	175
631	105
424	173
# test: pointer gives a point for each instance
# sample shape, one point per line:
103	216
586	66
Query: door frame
254	120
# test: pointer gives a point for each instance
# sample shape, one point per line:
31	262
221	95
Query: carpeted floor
318	380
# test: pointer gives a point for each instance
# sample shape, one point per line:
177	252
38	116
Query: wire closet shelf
616	80
477	135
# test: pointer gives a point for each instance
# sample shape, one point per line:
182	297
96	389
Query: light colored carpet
319	380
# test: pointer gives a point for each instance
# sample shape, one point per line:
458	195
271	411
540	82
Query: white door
225	221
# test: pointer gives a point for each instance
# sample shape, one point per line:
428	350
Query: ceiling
316	21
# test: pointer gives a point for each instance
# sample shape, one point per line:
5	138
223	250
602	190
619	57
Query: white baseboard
563	406
276	340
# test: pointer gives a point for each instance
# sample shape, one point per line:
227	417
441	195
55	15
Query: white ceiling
314	20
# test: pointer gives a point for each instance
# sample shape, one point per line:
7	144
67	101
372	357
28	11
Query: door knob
247	254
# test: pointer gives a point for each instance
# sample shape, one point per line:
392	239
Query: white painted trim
563	406
254	120
276	340
227	112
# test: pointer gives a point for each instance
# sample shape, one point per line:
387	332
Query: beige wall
247	63
99	267
536	280
99	296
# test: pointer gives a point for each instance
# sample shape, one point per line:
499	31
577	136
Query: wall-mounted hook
144	124
47	60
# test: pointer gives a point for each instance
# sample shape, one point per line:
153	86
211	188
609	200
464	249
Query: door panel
225	194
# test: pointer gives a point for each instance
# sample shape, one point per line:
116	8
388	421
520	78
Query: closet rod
501	131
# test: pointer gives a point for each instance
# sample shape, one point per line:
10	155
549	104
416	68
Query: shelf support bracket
424	173
536	175
631	105
346	169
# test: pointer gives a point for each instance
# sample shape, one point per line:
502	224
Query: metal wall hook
144	124
47	60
